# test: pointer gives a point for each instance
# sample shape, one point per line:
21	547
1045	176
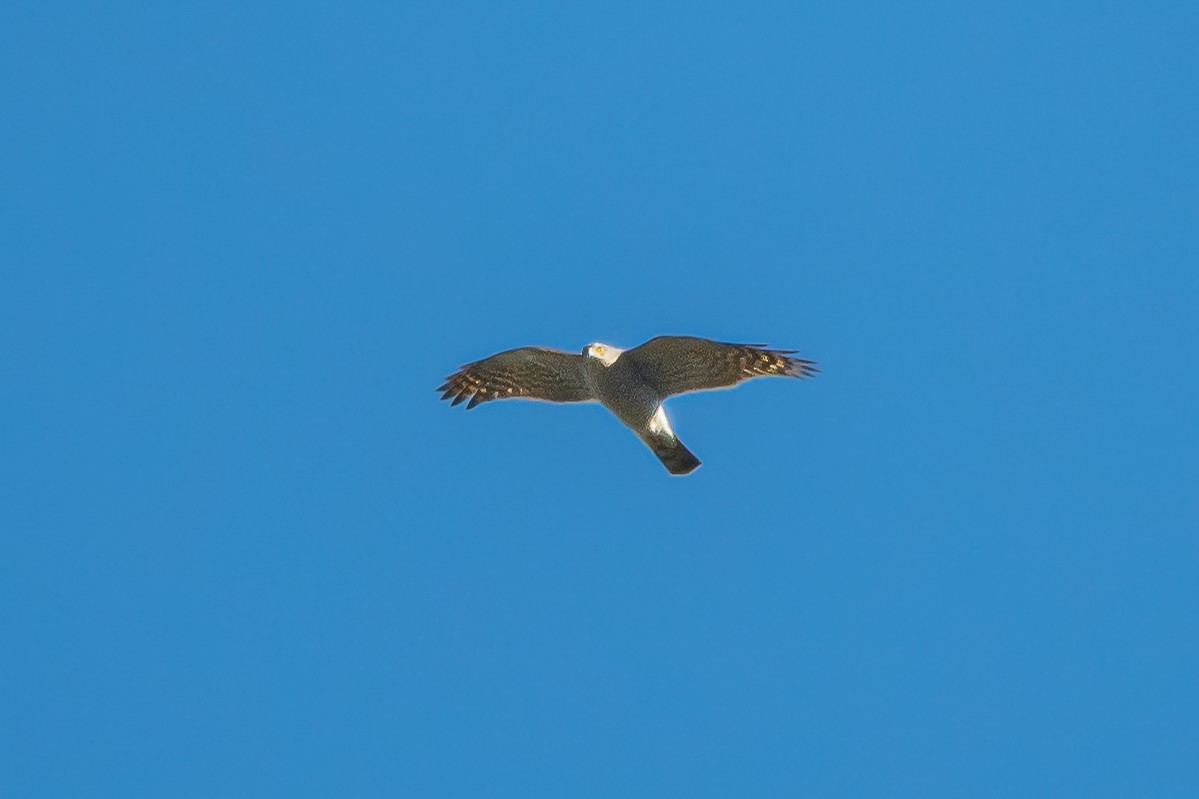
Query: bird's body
631	384
631	399
622	391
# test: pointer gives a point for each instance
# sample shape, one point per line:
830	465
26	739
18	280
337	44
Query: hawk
632	384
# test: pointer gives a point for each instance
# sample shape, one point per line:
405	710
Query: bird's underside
632	384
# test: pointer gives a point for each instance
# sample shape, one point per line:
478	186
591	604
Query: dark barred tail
677	459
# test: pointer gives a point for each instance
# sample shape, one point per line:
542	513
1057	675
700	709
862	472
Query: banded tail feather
677	459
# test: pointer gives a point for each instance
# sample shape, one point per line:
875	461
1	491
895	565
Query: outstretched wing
678	364
528	372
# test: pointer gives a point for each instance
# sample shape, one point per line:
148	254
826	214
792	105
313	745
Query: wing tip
801	368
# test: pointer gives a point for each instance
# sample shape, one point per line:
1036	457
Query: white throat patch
604	353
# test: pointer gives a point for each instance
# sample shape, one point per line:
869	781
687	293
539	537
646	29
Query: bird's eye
599	350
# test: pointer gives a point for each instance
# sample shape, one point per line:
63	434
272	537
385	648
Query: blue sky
247	552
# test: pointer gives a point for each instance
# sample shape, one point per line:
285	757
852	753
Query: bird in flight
632	384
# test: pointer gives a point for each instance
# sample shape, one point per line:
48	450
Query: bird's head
604	353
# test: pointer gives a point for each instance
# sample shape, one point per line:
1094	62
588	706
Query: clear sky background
247	552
